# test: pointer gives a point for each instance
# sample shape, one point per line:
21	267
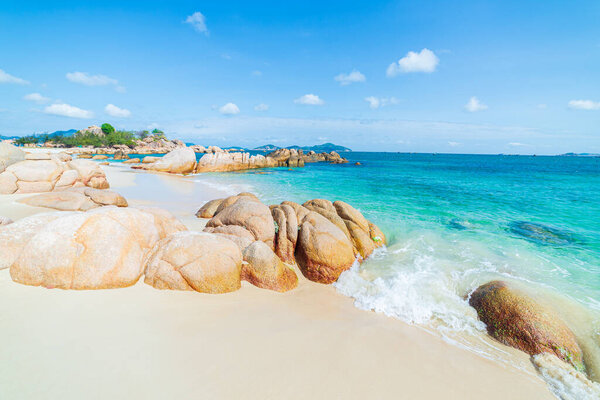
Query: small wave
563	380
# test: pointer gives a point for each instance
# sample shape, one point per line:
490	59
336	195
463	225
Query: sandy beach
311	342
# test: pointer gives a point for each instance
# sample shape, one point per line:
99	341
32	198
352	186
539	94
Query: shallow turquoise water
456	221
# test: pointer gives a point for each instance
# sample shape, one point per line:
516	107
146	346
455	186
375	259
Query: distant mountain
320	148
267	147
2	137
69	132
581	155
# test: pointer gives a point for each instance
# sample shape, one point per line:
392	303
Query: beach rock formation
286	232
76	199
182	160
225	162
237	234
99	249
132	161
120	155
250	214
45	173
265	270
518	321
209	209
198	261
323	251
100	157
9	155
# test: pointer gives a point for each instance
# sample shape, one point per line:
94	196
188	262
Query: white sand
311	342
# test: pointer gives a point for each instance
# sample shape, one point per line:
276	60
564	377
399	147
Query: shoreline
311	341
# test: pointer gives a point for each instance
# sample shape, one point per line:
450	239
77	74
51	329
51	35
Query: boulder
150	159
37	156
120	155
9	155
8	183
300	210
90	173
286	232
132	161
198	261
209	209
182	160
516	320
223	162
326	209
15	236
37	170
100	157
323	251
265	270
250	214
5	221
358	227
99	249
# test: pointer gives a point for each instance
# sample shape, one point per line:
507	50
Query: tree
143	135
156	130
107	128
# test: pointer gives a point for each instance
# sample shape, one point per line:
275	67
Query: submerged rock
265	270
198	261
518	321
541	234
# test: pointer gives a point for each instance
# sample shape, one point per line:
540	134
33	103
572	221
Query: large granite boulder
198	261
326	209
516	320
9	155
286	232
265	270
323	251
250	214
223	162
181	160
359	229
14	237
99	249
90	173
237	234
76	199
209	209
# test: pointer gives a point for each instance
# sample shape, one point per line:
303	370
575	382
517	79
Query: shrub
107	128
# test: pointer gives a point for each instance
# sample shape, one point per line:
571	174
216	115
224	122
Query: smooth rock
266	270
209	209
182	160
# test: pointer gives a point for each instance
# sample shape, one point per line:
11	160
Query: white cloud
8	78
346	79
584	105
229	109
309	99
376	102
67	110
198	21
38	98
117	112
90	80
475	105
453	144
517	144
261	107
425	61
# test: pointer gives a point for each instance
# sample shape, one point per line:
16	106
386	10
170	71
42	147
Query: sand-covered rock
516	320
265	270
198	261
181	160
250	214
76	199
323	251
99	249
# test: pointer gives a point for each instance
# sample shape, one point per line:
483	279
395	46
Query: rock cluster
9	155
50	172
179	161
322	238
516	320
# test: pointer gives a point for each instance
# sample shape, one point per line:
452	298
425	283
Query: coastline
310	342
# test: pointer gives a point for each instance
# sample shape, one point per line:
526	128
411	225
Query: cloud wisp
425	61
309	99
261	107
5	77
584	105
198	21
67	110
377	102
352	77
116	112
36	97
475	105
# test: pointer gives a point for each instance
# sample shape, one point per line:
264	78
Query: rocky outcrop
209	209
323	251
132	161
45	173
237	234
516	320
100	157
198	261
9	155
76	199
182	160
265	270
286	232
94	129
225	162
249	214
99	249
120	155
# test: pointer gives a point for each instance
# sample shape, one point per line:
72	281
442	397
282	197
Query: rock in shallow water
542	234
516	320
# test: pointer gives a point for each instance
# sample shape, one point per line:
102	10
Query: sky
518	77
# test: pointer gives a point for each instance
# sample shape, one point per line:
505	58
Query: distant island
320	148
580	155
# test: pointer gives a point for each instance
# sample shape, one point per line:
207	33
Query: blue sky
424	76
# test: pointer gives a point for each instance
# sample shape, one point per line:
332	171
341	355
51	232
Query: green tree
143	134
107	128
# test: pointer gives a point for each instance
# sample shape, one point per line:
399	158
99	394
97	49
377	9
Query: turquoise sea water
454	222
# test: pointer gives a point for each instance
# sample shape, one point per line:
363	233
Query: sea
454	222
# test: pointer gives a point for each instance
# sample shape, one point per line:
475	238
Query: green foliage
142	134
107	128
89	139
27	140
